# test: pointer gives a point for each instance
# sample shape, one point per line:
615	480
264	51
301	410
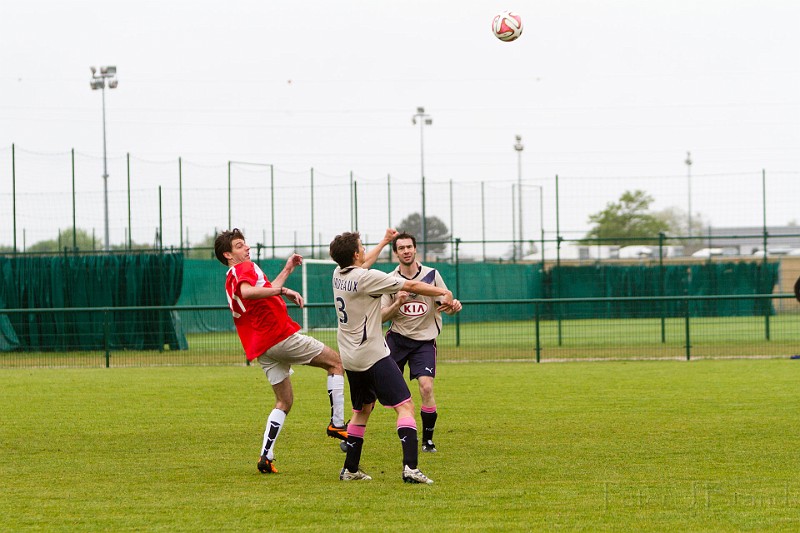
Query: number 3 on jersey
340	310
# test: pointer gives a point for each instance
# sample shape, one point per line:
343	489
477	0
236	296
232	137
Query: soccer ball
507	26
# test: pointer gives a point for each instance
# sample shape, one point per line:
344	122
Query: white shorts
296	349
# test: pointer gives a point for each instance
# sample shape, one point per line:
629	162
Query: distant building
749	240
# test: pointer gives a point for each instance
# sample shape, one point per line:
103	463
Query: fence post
389	212
458	291
688	336
14	194
538	337
313	252
74	226
106	342
128	172
452	224
662	284
557	277
180	202
483	223
160	223
272	206
558	263
764	273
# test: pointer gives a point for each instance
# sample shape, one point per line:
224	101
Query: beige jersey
357	296
418	318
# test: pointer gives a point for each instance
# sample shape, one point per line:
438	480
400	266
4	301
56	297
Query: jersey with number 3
357	295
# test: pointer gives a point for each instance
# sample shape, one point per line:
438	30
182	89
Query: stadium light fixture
424	120
107	75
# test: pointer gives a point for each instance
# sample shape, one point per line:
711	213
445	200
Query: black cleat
428	446
337	432
265	466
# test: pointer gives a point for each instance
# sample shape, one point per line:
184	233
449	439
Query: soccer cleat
358	475
337	432
428	446
415	476
265	466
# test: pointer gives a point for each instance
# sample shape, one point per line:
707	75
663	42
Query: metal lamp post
98	81
424	120
519	147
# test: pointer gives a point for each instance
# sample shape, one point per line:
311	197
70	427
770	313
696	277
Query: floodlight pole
99	82
424	120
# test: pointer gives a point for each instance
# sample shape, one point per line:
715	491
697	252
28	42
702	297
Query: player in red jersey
271	337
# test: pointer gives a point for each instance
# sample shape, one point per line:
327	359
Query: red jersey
260	323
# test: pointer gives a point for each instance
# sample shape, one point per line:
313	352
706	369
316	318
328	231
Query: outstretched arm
373	254
249	292
425	289
294	260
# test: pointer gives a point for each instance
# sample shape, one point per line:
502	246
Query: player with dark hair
416	322
372	374
270	336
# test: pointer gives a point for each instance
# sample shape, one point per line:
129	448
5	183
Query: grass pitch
615	446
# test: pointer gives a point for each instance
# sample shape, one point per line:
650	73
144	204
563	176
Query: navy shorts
383	381
420	355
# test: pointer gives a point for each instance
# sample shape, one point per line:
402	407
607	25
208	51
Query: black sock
353	458
408	438
428	423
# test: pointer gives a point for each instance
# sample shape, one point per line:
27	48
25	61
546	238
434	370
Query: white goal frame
304	288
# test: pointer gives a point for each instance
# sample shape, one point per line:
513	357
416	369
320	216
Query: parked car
773	252
716	252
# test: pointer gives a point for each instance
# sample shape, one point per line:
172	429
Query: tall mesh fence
178	203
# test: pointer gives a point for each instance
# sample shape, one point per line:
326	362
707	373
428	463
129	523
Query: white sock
336	395
274	425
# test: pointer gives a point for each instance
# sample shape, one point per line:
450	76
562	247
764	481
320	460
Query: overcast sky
610	95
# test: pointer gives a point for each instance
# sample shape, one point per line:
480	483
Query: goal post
314	267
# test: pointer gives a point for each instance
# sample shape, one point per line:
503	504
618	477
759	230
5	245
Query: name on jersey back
348	285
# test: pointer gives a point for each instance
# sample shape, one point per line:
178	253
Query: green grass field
615	446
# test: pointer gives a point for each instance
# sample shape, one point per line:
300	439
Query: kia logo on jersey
414	308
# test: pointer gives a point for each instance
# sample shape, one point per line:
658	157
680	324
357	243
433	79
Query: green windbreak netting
470	281
492	281
91	281
676	280
204	285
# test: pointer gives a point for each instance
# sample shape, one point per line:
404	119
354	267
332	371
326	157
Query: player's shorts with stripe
420	355
382	381
296	349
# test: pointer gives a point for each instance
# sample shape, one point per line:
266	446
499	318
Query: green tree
678	222
203	249
83	242
135	246
628	221
438	234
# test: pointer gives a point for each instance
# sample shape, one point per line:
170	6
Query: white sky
608	95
